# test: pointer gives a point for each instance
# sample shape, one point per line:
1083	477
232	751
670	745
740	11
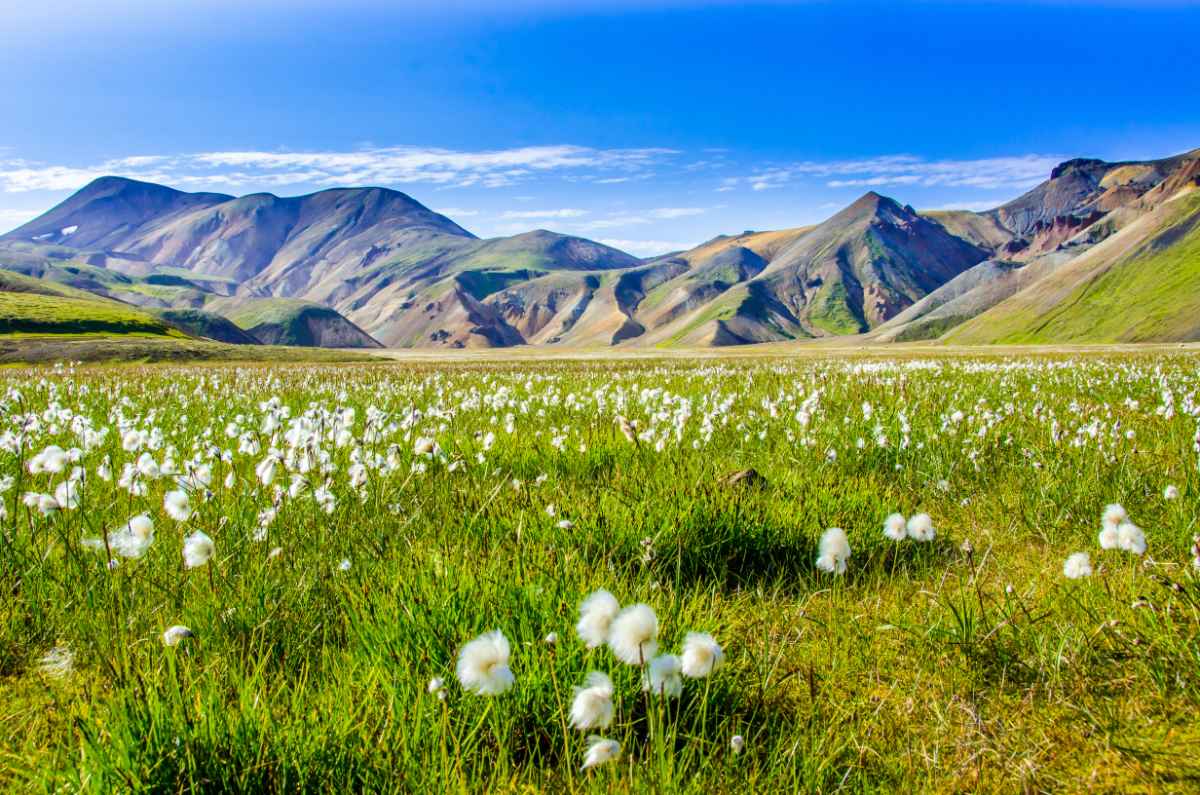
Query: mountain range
1099	252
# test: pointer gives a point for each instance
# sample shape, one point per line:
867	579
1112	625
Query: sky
651	125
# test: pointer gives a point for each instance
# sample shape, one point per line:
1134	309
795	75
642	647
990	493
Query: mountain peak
873	205
1080	164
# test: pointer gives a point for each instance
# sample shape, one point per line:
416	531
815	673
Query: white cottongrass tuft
596	615
599	751
1109	537
483	665
662	678
633	636
131	540
437	687
592	707
1131	538
737	743
1077	566
920	528
895	528
198	549
1171	493
174	635
833	551
701	655
1113	515
176	504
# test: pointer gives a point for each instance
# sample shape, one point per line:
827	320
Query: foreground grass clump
309	578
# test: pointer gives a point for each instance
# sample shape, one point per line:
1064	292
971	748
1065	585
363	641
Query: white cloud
456	212
1017	172
666	213
376	166
566	212
646	248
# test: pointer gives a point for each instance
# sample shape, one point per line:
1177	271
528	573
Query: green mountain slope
1141	285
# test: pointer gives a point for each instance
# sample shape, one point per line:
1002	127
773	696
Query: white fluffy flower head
701	655
177	506
483	665
599	751
1078	565
592	707
633	636
174	635
596	615
920	528
894	527
198	549
662	676
833	551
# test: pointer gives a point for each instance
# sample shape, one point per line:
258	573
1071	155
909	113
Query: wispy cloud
566	212
396	165
1016	172
456	212
667	213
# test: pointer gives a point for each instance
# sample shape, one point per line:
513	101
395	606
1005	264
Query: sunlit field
603	576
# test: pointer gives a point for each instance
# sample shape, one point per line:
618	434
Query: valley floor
264	578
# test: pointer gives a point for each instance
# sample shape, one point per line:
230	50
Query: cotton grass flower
173	636
633	636
1114	514
483	665
920	528
662	676
1171	493
894	527
599	751
592	707
131	540
737	743
177	505
833	551
1078	565
1131	538
596	615
198	549
437	687
702	655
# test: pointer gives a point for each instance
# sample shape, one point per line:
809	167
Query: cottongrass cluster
1118	532
629	633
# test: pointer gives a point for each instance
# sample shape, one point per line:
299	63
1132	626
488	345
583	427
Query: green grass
831	310
260	311
926	668
32	313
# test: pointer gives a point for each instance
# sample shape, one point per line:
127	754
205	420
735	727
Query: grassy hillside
34	313
1147	291
286	321
211	326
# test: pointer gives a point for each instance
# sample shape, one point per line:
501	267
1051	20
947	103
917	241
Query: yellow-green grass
33	313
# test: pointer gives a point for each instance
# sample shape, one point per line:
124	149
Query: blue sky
651	125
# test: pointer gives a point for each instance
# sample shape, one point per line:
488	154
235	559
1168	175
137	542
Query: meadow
384	577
